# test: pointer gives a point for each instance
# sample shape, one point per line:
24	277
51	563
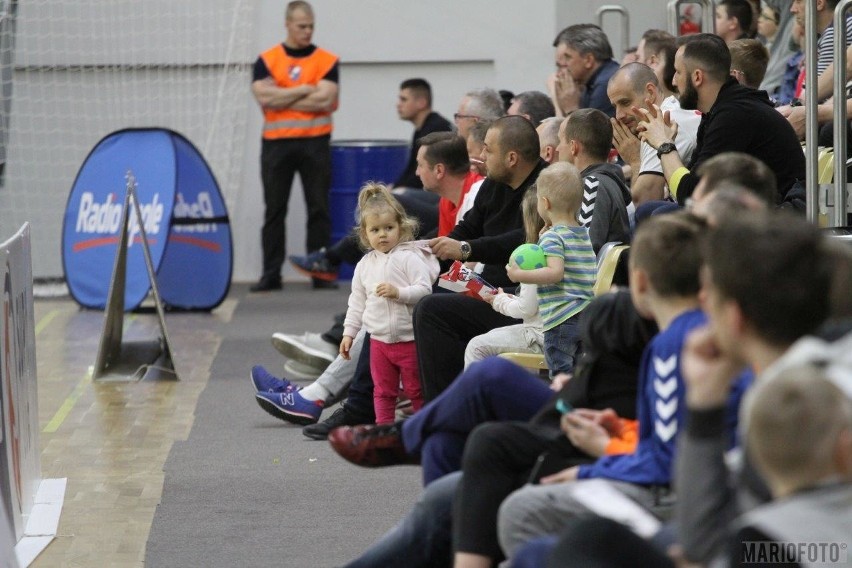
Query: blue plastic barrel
354	162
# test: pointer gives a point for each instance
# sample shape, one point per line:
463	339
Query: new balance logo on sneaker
290	407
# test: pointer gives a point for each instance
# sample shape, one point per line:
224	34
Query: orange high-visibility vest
290	72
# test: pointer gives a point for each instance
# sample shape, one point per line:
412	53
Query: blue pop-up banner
183	214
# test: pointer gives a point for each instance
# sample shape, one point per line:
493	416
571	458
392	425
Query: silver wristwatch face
465	249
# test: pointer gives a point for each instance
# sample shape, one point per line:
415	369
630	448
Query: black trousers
280	160
498	459
359	400
443	324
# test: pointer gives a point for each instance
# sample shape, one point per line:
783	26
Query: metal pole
840	141
811	126
625	21
708	16
672	11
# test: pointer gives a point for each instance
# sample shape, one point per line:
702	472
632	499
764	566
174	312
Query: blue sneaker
264	381
316	265
290	407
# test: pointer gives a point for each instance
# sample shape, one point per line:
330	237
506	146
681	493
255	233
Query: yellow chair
825	175
607	265
825	167
608	259
533	361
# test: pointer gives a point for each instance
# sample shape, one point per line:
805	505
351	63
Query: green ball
529	256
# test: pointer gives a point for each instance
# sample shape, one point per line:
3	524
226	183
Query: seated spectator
444	167
584	65
476	144
657	50
614	336
414	105
493	228
733	20
736	168
584	141
526	337
704	83
799	434
630	55
535	106
664	264
749	59
566	281
792	80
781	49
793	255
548	137
767	25
824	12
476	105
637	86
748	326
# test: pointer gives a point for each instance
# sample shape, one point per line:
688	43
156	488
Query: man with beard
735	118
444	323
637	85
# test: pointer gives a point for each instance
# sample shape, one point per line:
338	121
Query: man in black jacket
736	118
489	232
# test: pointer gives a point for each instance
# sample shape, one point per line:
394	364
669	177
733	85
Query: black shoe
319	284
341	417
266	285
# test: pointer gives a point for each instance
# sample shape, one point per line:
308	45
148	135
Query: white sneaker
308	348
296	370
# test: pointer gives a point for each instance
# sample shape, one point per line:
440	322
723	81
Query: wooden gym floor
111	439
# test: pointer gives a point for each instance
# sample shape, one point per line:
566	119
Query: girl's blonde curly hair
376	198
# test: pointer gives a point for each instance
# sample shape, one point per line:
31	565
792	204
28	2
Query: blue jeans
560	346
423	538
493	389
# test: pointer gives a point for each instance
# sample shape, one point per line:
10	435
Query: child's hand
345	346
559	381
513	272
385	290
489	298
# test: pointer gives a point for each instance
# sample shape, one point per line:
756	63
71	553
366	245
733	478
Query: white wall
456	46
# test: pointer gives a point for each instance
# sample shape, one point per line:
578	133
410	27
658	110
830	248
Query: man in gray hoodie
585	139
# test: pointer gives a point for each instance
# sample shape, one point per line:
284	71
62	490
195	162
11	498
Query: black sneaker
340	417
319	284
266	285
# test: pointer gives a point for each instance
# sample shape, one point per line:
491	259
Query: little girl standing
388	281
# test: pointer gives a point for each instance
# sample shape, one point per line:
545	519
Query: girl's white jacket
412	268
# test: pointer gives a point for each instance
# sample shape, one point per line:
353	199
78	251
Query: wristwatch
665	148
465	250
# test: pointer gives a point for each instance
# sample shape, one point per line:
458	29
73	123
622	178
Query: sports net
73	71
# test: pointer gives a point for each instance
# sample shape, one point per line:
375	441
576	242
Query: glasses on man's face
457	116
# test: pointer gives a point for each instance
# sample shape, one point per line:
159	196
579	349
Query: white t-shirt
687	132
468	199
